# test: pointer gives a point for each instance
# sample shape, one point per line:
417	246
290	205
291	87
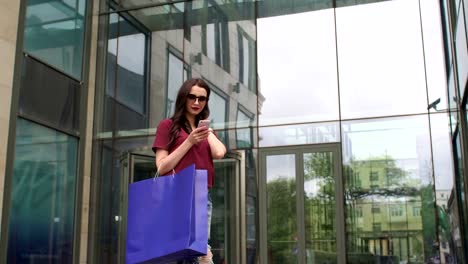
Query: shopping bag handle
157	174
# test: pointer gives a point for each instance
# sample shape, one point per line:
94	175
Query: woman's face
196	100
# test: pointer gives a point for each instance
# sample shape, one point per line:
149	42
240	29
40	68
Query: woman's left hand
198	134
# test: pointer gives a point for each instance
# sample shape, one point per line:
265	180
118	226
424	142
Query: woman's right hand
198	134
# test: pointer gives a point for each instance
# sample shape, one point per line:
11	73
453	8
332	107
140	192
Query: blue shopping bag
167	218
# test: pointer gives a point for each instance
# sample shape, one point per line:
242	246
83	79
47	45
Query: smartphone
204	122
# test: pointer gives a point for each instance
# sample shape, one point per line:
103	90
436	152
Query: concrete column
94	19
9	15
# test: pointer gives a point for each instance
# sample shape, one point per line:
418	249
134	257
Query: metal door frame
298	151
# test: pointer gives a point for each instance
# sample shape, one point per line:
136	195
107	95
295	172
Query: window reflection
42	207
314	133
380	57
218	108
127	51
40	83
281	206
442	153
453	100
320	205
54	33
299	83
246	59
461	53
460	214
244	130
388	180
434	52
221	194
127	71
177	74
216	40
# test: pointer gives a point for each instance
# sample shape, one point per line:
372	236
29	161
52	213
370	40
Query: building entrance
301	203
226	196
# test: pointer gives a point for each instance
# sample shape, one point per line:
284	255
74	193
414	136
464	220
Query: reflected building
345	124
386	210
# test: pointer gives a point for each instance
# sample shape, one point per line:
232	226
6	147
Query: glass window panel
111	54
281	209
143	168
54	33
434	53
40	83
251	219
398	149
278	8
179	6
135	3
42	208
442	153
447	38
243	131
216	36
444	184
111	175
211	42
465	4
218	107
299	134
302	79
131	66
175	79
125	104
453	100
223	214
462	53
461	230
320	204
380	56
246	59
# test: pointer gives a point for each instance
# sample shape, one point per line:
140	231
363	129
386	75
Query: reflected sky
381	60
434	52
297	67
382	63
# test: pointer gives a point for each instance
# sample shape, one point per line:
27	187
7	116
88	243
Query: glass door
302	205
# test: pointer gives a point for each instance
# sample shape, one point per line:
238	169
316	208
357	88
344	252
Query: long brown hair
178	119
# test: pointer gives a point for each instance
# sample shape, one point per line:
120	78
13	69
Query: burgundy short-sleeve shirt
200	153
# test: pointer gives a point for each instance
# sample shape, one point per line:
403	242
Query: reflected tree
319	193
282	231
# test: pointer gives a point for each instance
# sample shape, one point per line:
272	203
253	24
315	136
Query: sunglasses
194	97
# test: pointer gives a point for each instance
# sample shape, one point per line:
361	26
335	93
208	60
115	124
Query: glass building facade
345	121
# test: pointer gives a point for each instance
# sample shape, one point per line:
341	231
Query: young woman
180	143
